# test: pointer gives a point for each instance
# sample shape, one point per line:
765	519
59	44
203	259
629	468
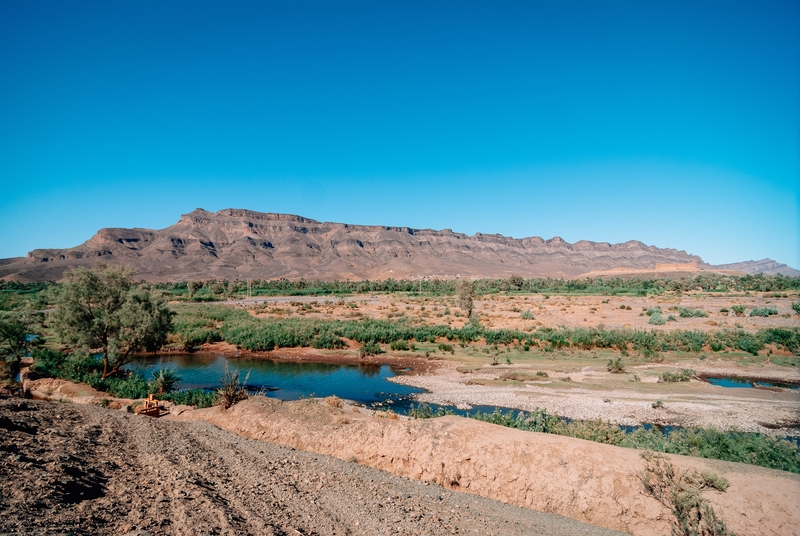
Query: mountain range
242	244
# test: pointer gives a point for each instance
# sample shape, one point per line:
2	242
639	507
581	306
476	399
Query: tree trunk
106	372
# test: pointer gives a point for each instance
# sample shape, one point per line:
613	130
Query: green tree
516	282
19	335
101	309
193	286
465	290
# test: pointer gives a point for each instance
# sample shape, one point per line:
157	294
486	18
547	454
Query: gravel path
81	469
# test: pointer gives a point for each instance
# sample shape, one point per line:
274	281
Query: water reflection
736	382
365	383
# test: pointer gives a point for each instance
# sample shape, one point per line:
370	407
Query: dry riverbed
591	392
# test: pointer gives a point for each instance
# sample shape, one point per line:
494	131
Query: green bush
527	314
192	397
763	311
749	345
48	363
796	308
616	366
164	381
369	348
683	376
685	312
399	345
657	320
446	347
133	386
654	310
738	310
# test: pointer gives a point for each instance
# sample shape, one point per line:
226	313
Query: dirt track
580	479
78	468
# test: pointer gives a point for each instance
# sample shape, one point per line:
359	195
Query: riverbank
582	393
83	469
580	479
577	385
583	480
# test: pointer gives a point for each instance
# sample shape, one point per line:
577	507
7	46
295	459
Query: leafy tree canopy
101	309
19	335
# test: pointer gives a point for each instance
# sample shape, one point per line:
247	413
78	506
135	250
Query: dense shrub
192	397
616	366
369	348
686	312
657	320
399	345
763	311
683	376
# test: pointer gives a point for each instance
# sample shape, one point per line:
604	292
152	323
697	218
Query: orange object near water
151	407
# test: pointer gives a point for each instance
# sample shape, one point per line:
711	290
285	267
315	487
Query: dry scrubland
499	311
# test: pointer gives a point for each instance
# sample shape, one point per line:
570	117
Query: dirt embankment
70	468
580	479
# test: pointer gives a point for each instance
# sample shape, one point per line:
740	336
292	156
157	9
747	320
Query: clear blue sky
673	123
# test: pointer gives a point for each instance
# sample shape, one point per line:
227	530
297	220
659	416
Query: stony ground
80	469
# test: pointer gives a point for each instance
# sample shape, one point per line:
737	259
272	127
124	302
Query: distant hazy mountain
241	244
764	266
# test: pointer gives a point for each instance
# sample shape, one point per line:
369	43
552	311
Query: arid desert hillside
240	244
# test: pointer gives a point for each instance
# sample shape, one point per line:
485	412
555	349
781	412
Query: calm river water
287	381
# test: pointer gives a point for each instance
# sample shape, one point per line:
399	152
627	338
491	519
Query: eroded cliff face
235	243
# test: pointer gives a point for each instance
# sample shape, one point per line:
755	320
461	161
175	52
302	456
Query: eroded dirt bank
580	479
70	468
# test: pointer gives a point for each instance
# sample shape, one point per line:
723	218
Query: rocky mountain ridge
240	244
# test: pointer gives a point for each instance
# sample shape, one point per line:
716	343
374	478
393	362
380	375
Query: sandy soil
501	311
580	479
72	468
593	393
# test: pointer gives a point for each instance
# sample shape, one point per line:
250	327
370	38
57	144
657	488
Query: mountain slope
240	244
764	266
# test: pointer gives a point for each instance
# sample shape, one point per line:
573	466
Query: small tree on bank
19	335
465	290
102	309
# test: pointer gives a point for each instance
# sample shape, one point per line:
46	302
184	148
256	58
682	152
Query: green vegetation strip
215	290
743	447
195	325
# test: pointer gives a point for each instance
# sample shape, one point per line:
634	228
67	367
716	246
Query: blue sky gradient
673	123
